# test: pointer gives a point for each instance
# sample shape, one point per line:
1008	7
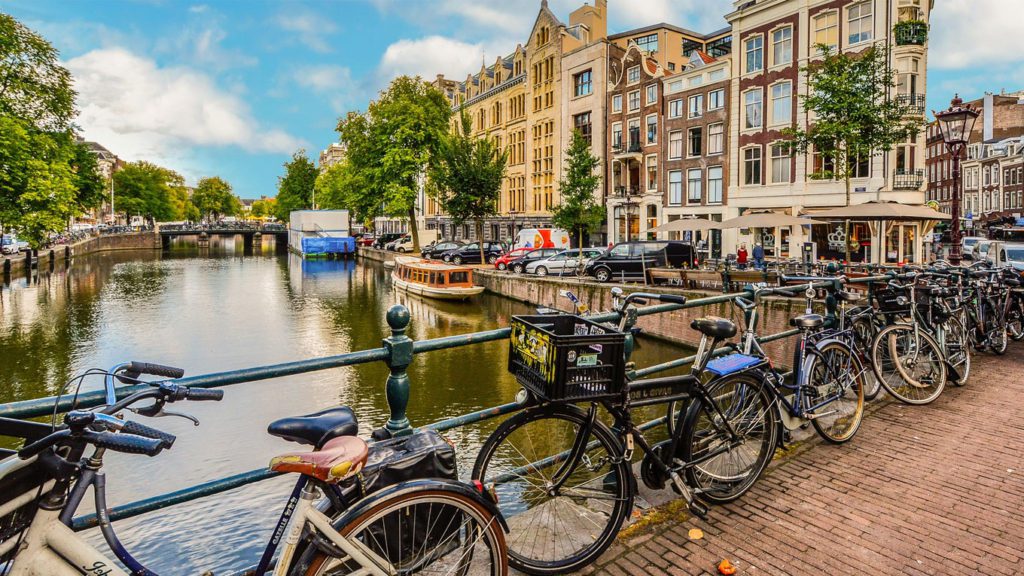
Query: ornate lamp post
956	124
628	203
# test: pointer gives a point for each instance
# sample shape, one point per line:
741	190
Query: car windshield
1015	254
983	248
970	241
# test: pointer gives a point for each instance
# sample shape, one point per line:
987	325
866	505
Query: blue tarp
315	245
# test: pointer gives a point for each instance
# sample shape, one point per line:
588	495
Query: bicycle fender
820	344
420	485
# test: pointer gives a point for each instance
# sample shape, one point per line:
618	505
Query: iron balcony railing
907	179
910	33
914	103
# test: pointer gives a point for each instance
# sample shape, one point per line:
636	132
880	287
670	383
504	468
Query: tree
852	113
390	147
91	187
579	212
144	189
295	188
264	207
466	176
214	199
33	84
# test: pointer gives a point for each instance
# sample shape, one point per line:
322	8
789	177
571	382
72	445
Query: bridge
251	235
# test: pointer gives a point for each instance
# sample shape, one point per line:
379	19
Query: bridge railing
397	352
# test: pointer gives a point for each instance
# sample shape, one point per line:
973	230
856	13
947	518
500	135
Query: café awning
882	210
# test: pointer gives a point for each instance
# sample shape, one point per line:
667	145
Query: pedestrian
758	256
741	257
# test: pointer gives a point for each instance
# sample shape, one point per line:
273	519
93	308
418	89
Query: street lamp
956	124
628	204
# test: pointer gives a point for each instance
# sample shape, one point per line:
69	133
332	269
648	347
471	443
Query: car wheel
502	266
542	271
446	258
517	268
603	274
457	259
401	249
492	259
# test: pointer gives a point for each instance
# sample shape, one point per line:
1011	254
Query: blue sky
232	88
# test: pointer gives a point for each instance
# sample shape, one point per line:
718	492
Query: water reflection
212	309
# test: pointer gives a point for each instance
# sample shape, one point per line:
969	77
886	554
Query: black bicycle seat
715	327
807	321
316	428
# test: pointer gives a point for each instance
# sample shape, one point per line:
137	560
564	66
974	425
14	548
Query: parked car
382	240
435	250
631	260
503	261
519	264
10	244
366	240
1002	253
981	250
563	263
969	243
470	253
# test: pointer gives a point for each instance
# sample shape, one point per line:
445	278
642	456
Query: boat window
458	277
440	278
433	278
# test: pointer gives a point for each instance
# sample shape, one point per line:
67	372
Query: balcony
625	192
913	102
910	33
907	179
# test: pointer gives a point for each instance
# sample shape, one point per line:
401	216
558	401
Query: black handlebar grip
156	370
204	394
673	298
128	443
132	427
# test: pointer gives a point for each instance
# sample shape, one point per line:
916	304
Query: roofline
668	26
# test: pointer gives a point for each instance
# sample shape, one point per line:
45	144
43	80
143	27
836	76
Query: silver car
562	264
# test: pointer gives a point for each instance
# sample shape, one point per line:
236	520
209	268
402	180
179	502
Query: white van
541	238
427	237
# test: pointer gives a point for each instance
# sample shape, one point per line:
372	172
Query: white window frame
633	75
695	111
689	131
721	99
783	159
690	199
681	142
783	42
815	30
629	100
747	51
789	108
647	170
648	98
675	187
743	165
617	103
675	108
721	139
746	125
862	35
622	142
647	126
720	188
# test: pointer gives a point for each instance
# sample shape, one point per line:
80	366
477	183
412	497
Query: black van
629	260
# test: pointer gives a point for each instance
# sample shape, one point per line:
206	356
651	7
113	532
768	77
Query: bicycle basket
567	357
890	302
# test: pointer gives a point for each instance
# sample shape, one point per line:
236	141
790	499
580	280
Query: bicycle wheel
1015	320
998	339
909	364
834	371
722	472
958	350
556	531
428	532
863	333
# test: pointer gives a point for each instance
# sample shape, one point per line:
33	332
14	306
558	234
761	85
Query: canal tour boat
434	279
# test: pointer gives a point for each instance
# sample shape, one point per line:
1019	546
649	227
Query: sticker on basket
571	356
596	330
580	330
587	360
596	348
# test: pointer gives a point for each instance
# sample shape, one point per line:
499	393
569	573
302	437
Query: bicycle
419	526
563	476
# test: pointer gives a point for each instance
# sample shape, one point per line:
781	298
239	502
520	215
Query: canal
215	309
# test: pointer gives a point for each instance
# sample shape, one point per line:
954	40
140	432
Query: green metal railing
397	352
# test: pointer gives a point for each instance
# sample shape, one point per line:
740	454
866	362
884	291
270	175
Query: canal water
218	308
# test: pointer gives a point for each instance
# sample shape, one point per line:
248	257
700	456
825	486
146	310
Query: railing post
399	348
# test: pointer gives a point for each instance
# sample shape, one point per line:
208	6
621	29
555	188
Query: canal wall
52	257
377	255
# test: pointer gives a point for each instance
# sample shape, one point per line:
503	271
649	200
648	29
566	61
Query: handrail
397	352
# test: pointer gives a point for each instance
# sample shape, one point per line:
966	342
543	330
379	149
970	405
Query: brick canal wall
61	255
376	255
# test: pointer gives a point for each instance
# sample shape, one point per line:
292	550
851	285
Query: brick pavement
935	489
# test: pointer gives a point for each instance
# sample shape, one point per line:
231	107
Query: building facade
672	46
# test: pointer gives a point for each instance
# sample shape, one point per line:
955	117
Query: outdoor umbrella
767	220
878	210
686	225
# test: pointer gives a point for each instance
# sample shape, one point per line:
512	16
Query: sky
232	88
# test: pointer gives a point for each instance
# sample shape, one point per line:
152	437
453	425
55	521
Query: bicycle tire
715	481
1015	320
863	334
533	545
934	380
820	365
958	350
316	562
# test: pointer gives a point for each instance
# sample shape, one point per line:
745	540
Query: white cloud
972	33
142	111
434	55
311	29
333	82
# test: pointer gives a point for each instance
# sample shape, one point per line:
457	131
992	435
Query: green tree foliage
215	200
90	185
466	176
145	189
579	212
390	147
182	206
264	207
295	188
852	114
33	84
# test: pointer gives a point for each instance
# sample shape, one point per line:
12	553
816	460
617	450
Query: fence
397	352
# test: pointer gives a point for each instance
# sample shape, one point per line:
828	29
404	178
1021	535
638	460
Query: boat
434	279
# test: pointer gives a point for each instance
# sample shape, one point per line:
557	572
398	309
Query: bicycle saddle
339	458
847	297
316	428
714	327
807	321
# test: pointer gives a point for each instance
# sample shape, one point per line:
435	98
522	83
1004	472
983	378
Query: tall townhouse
773	39
696	144
525	102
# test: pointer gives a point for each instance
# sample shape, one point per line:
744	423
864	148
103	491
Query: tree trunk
414	229
480	239
846	232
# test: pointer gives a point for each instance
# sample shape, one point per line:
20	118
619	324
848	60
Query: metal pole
955	251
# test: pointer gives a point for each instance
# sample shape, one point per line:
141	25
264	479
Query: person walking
758	256
741	257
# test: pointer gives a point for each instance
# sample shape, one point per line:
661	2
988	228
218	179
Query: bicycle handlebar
155	369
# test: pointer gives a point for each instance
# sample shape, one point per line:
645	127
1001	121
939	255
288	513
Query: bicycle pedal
698	509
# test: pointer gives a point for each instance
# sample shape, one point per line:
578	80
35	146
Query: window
675	187
693	186
716	138
824	166
617	103
647	43
860	166
696	106
715	185
675	145
751	166
716	99
633	75
755	54
652	94
652	173
780	164
782	46
675	108
752	109
581	83
859	23
826	29
652	128
694	142
671	66
782	103
617	135
581	122
634	101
